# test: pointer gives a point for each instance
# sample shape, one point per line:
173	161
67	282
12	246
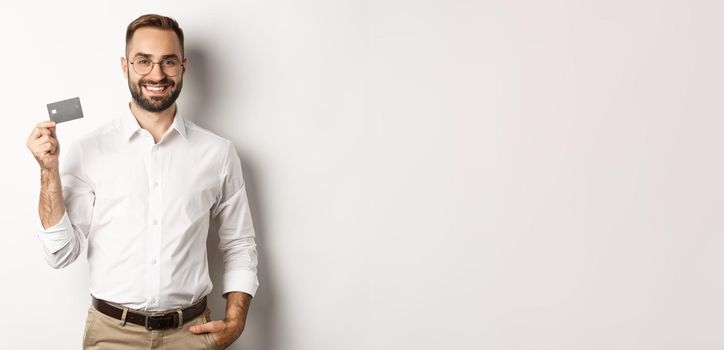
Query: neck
157	123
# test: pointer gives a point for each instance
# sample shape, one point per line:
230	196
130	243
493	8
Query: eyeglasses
169	66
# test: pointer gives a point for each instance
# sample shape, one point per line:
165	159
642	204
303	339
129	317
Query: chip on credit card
63	111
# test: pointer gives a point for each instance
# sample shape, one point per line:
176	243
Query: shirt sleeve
232	216
63	242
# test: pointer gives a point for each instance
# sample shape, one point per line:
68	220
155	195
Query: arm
50	206
232	215
62	239
237	306
226	331
43	143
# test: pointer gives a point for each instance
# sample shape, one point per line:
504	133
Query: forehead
154	41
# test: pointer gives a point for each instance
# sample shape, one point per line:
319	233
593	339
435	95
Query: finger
40	131
46	124
208	327
41	152
42	147
41	141
37	132
46	148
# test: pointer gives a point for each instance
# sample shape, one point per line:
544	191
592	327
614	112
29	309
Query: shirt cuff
56	237
240	281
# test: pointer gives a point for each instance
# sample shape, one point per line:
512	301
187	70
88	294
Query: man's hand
225	332
44	145
45	148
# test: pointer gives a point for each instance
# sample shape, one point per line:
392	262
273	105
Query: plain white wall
422	174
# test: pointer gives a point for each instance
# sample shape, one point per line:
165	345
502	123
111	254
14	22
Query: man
141	192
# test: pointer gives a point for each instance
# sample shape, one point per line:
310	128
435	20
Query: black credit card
63	111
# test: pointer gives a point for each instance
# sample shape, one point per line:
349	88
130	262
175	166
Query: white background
422	174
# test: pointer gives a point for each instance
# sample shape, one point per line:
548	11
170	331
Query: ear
124	67
185	64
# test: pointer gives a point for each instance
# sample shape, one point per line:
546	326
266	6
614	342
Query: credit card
63	111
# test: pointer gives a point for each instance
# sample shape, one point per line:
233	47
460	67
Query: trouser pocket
88	325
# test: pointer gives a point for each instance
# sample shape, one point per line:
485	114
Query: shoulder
100	135
219	150
206	138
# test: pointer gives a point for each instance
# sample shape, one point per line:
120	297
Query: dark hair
155	21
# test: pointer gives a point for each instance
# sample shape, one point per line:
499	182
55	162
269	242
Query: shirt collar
131	126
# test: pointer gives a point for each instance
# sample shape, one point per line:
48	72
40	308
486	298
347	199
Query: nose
156	72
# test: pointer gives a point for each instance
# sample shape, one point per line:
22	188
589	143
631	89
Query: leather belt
152	321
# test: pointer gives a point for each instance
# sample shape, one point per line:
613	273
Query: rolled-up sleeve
63	242
232	216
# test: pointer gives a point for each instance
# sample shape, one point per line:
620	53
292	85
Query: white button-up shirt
144	210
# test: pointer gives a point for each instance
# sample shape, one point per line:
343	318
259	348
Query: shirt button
155	222
153	300
155	184
153	262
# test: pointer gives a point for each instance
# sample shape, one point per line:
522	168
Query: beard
155	103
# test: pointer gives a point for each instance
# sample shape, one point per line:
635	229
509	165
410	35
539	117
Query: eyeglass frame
159	63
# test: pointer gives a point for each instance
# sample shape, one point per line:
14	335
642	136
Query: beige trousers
106	333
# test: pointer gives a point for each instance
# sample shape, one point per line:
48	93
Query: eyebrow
148	55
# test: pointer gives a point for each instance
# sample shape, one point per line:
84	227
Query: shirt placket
155	225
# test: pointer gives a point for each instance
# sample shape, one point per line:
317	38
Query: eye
170	63
143	61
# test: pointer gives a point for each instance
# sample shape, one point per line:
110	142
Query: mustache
165	81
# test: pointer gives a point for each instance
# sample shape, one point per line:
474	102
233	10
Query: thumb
207	327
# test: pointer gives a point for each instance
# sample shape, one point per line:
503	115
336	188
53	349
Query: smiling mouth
155	89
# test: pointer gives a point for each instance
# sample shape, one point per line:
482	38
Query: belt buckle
157	317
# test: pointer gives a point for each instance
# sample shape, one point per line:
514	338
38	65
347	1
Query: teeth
151	88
